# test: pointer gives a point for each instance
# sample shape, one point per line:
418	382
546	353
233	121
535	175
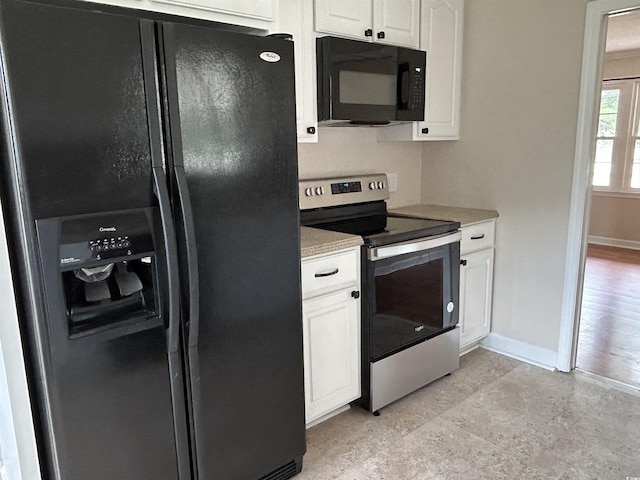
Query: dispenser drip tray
108	295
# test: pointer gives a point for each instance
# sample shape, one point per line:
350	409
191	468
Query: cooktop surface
400	229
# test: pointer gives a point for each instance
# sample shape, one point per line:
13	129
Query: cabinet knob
355	294
425	130
463	262
380	34
311	130
368	32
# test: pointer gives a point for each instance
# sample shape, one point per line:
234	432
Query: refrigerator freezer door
79	112
232	117
76	123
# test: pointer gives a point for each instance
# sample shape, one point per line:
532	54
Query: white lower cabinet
331	332
476	282
476	274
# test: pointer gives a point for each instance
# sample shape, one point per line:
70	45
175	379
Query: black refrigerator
149	181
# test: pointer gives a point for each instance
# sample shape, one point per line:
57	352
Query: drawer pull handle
477	237
327	274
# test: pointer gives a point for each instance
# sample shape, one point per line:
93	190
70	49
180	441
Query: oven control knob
380	184
373	186
319	191
308	192
450	307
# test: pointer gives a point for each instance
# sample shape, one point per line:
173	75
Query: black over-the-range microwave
369	83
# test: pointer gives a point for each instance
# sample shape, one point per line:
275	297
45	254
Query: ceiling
623	32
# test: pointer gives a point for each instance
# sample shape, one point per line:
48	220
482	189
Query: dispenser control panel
90	239
113	243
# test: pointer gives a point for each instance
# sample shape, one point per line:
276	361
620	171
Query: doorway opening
609	334
578	268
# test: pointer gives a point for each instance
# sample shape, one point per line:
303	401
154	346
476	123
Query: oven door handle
412	246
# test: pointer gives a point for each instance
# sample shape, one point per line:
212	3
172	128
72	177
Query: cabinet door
262	14
331	332
346	19
441	37
476	280
262	9
296	18
397	22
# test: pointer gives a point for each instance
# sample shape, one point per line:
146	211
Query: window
617	158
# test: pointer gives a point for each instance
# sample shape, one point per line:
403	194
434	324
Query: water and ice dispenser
106	266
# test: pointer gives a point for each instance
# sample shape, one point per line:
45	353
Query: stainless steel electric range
410	282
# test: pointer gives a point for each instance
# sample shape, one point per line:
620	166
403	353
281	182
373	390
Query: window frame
624	141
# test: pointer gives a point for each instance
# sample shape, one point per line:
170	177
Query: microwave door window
367	88
364	90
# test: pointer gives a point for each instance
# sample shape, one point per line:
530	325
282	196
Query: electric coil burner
410	283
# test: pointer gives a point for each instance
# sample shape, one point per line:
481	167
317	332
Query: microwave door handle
404	86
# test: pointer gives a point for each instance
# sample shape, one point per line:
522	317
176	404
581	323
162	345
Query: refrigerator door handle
147	33
172	118
192	256
151	77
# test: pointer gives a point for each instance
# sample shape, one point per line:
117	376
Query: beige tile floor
494	418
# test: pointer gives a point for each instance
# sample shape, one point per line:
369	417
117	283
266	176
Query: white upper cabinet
441	36
395	22
296	18
261	14
351	18
259	9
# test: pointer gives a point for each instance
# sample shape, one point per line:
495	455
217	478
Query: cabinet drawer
477	237
330	271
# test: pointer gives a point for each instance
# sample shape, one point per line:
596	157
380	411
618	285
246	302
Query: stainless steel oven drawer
436	357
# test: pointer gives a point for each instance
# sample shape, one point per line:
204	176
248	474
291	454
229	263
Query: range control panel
334	191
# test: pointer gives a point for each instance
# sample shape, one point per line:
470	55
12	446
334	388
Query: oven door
412	292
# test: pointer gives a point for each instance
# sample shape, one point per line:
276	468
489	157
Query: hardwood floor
609	340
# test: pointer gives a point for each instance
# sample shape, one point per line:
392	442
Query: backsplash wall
355	150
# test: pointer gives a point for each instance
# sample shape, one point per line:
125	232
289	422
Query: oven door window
411	294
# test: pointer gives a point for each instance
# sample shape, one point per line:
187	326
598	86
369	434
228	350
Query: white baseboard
526	352
327	416
614	242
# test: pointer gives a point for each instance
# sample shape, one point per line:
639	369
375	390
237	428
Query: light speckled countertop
314	241
465	216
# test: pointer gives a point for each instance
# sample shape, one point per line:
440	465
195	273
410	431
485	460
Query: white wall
18	454
621	65
521	79
352	150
